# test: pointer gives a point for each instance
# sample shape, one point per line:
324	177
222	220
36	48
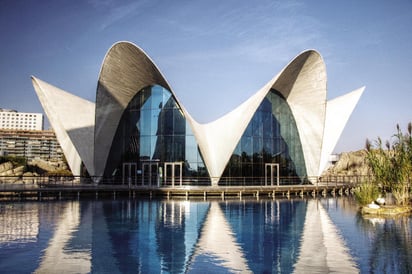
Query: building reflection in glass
153	131
270	137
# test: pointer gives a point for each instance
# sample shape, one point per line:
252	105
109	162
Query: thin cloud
278	33
114	11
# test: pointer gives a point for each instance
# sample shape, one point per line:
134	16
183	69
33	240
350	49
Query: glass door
271	174
173	173
129	173
150	173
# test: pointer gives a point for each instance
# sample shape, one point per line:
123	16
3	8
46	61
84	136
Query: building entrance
150	173
271	174
173	173
129	171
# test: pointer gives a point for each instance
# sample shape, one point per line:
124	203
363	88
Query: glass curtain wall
152	130
270	137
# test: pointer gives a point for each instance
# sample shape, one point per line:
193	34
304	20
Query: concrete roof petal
72	119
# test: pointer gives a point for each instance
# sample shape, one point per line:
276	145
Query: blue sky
217	53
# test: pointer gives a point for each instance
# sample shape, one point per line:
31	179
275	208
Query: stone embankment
11	173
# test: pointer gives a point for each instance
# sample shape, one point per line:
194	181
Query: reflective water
142	236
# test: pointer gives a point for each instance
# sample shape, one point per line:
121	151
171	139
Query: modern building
30	144
11	119
138	131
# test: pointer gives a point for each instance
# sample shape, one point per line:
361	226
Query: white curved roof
303	85
338	112
127	69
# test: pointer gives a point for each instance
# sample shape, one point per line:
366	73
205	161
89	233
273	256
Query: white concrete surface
72	119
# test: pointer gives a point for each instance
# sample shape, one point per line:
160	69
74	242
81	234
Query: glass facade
271	137
153	131
155	139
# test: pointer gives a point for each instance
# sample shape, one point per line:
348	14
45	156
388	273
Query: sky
215	54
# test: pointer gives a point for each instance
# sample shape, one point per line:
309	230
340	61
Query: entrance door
129	173
150	173
173	173
271	174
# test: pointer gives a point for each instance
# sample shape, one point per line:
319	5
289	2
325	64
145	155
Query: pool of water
178	236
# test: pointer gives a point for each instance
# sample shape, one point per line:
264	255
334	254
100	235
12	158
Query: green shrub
15	160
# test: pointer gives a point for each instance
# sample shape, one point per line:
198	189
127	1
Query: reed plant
366	193
391	164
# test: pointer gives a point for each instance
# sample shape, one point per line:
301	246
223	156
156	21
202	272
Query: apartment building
31	144
12	119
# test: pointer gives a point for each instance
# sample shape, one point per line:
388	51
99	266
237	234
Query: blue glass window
270	137
153	128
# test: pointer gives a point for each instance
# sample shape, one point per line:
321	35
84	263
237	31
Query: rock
42	164
29	178
349	163
8	172
28	174
18	171
5	167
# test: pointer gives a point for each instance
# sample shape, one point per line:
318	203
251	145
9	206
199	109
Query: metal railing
10	183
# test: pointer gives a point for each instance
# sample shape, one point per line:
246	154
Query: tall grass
366	193
391	164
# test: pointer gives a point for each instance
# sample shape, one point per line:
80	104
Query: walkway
71	189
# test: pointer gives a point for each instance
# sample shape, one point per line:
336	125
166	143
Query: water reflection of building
270	239
63	255
323	249
391	241
138	128
217	246
182	236
18	223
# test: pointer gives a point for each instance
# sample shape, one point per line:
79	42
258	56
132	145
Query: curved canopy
72	119
125	71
